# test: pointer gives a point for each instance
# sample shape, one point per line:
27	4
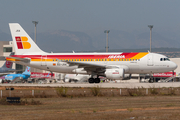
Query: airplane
25	75
7	67
110	65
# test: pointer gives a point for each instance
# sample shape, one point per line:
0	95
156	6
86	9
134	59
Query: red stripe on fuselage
127	56
130	55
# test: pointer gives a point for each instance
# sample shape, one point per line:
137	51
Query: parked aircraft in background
111	65
7	68
76	77
25	75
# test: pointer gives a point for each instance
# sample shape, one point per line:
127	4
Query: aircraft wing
2	74
87	65
96	68
93	68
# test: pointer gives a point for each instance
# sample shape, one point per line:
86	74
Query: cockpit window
164	59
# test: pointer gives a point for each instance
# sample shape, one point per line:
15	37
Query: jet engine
115	74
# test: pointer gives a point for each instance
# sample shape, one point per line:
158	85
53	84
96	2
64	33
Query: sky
89	15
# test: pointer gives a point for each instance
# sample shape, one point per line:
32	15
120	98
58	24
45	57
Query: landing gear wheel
97	80
151	81
91	80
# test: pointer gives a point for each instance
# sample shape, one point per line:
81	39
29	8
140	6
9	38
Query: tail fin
27	71
22	41
8	64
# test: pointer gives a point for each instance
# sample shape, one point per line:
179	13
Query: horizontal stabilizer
18	59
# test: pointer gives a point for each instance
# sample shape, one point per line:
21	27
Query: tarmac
102	85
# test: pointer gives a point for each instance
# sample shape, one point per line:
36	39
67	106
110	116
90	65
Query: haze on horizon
94	16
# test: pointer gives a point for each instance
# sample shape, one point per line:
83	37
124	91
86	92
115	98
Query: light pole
107	31
35	23
150	26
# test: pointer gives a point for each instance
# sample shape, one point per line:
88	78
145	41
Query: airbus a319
111	65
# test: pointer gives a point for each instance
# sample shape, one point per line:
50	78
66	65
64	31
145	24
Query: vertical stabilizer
23	43
27	71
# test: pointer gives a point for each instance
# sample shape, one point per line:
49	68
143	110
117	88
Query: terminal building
6	47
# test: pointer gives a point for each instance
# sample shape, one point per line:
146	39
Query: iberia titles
116	56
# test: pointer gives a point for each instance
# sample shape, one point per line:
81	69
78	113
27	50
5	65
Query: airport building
6	47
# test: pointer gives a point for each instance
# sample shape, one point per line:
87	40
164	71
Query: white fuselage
150	63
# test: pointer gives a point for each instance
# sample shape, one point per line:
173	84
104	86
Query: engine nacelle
127	76
115	74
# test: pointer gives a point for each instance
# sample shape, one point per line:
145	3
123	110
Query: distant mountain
127	40
66	41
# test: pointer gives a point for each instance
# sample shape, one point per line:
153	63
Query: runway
102	85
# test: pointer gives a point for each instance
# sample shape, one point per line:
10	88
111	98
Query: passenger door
43	60
150	60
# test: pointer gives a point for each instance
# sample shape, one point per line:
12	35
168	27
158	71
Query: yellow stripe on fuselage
139	55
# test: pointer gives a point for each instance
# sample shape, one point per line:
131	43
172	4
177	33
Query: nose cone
173	66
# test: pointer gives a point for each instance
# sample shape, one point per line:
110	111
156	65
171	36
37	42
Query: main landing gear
92	80
151	80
